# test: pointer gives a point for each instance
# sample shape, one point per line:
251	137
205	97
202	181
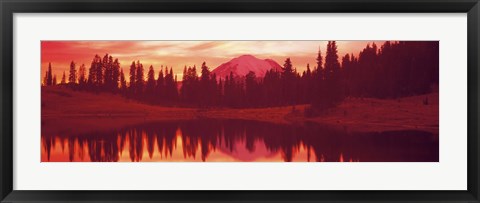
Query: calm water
238	140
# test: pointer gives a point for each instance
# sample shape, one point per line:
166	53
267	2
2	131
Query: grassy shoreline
68	108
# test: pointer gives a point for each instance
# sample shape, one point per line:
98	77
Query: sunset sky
177	54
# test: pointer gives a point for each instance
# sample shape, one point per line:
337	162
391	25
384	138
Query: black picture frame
10	7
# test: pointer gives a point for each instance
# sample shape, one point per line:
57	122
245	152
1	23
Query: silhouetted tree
272	88
107	69
44	81
212	87
219	95
230	91
332	76
160	86
133	78
252	90
171	92
82	80
206	93
288	82
347	61
123	82
95	74
318	96
49	75
140	81
72	76
189	90
150	88
64	79
115	75
309	85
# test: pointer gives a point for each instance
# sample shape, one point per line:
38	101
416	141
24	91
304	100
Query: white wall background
448	174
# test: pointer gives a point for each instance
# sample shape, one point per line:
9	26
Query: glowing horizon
178	54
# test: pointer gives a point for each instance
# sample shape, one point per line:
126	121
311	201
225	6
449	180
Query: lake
209	140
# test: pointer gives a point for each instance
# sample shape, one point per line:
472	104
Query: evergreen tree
220	93
91	75
95	73
133	78
272	88
72	76
175	87
205	77
308	72
150	89
107	76
319	59
123	82
82	80
205	90
115	75
212	88
139	83
332	76
170	86
319	94
44	82
288	82
98	72
160	88
64	80
49	75
309	85
189	89
346	69
251	89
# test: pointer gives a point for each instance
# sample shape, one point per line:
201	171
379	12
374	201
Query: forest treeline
395	69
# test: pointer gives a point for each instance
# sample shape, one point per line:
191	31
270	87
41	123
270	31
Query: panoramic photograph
239	101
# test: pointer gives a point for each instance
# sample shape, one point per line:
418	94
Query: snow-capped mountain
242	65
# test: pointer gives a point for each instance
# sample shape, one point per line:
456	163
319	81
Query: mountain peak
242	65
247	56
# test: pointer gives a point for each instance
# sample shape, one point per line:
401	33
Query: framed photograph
252	101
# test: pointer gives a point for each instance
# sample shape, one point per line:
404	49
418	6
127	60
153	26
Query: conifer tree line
395	69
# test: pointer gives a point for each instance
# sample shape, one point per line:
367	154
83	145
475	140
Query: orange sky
177	54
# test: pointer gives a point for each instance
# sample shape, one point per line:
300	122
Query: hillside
69	110
61	101
380	115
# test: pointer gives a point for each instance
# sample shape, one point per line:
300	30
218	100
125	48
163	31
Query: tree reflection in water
239	140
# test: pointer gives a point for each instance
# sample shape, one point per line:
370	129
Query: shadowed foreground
82	111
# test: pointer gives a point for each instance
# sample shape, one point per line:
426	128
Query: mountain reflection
239	140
